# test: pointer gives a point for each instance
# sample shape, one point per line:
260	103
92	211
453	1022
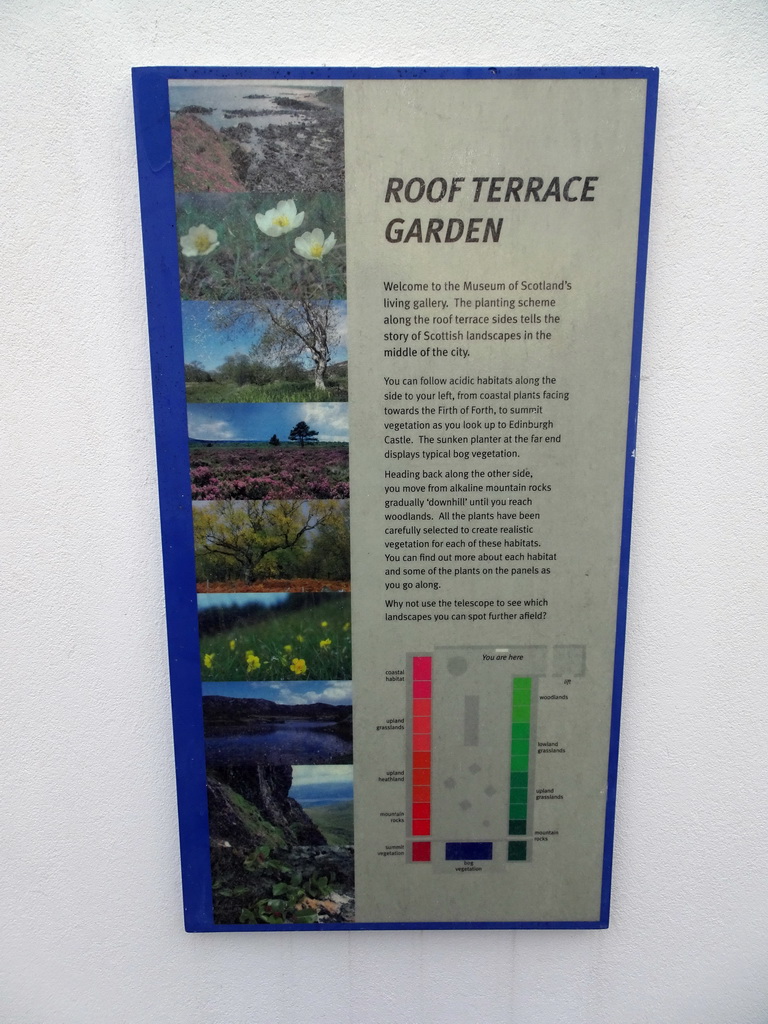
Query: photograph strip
259	179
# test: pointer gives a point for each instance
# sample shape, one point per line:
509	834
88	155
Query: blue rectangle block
469	851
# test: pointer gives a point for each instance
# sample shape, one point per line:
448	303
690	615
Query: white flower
200	241
281	220
313	245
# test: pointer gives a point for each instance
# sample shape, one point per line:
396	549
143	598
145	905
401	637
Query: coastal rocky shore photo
289	139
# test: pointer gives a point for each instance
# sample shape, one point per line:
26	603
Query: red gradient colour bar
421	852
421	756
422	688
422	668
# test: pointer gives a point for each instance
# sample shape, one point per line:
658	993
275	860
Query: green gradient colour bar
520	753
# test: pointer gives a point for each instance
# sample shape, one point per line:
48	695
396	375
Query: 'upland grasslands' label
407	309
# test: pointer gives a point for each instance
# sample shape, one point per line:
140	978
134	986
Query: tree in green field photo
266	350
303	327
240	543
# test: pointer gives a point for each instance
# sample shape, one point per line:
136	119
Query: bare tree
297	326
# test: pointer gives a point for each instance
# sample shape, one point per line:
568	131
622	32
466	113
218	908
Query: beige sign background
497	372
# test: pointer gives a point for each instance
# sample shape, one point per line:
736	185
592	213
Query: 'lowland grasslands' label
393	376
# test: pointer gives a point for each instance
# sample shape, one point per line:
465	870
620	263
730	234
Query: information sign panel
395	323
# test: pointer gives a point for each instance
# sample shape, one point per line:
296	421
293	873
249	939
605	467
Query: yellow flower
298	666
325	643
287	647
208	660
345	627
252	661
313	245
324	625
300	638
232	644
199	241
279	221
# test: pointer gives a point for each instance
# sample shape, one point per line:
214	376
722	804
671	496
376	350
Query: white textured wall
90	905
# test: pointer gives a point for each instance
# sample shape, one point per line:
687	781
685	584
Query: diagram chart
472	720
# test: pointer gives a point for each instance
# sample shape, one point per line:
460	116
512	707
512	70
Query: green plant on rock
285	904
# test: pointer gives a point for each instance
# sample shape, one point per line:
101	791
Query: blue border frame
158	217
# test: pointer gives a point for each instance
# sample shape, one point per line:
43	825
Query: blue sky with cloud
315	784
242	421
241	600
326	692
208	343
